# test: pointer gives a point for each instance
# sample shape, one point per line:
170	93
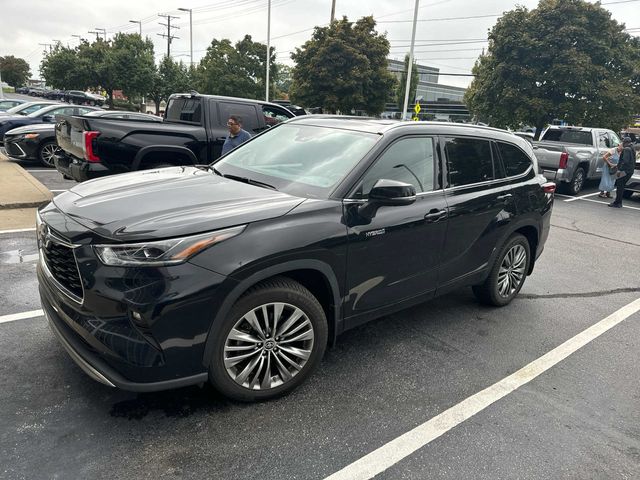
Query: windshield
301	160
19	109
568	136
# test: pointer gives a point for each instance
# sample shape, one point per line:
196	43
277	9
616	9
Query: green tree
170	77
236	70
400	89
566	59
13	70
343	67
61	69
131	61
282	80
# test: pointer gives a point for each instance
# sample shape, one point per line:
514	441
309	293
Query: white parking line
391	453
605	203
581	197
58	191
18	230
21	316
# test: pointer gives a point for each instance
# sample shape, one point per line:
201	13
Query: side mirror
387	193
48	119
391	193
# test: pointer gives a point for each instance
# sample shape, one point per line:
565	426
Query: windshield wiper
248	180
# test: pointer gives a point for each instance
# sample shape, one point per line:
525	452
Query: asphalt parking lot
580	418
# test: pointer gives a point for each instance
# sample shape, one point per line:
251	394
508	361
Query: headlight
162	252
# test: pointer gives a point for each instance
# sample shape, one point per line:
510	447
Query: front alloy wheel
272	339
268	346
48	153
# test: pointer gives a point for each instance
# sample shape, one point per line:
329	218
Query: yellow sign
415	119
417	108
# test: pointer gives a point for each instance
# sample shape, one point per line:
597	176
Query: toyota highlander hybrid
241	272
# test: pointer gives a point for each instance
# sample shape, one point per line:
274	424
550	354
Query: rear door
481	205
249	113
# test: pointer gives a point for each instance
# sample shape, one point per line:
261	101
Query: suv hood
169	202
38	127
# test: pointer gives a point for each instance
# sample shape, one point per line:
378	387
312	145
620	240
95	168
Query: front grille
14	150
61	262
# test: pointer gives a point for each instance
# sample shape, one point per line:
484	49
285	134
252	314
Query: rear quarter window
188	110
515	161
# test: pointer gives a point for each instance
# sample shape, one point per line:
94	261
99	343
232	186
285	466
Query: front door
393	257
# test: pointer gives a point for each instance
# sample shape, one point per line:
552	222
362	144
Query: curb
19	189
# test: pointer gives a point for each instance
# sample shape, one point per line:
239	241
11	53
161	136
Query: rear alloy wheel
508	273
577	182
270	342
48	152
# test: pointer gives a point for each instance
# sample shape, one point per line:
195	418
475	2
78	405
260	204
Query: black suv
240	273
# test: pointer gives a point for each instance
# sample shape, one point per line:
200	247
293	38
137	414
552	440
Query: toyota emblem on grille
44	235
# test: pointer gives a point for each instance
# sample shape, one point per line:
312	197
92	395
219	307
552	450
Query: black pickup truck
192	133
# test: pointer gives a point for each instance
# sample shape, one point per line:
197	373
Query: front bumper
97	327
20	149
80	170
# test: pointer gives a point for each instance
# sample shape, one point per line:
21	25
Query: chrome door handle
435	215
506	196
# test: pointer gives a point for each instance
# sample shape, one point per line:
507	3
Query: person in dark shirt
236	134
626	165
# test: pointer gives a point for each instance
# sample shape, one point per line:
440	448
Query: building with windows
437	101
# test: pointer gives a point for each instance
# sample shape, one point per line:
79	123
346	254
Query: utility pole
190	31
97	34
1	90
413	41
168	36
45	45
80	39
104	32
139	22
268	62
333	10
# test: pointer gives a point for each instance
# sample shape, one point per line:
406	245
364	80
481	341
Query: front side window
603	141
409	160
301	160
274	115
246	112
469	161
516	162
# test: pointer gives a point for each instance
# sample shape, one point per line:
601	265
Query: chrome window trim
490	182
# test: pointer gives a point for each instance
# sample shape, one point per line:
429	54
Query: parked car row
70	96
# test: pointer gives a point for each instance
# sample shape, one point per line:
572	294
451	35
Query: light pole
190	30
413	41
139	22
268	62
1	89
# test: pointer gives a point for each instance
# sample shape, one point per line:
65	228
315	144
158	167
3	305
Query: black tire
576	183
490	291
45	152
627	194
294	298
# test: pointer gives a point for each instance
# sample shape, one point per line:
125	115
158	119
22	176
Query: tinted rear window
515	160
568	136
185	110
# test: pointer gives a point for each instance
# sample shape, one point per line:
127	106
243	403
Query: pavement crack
594	234
582	294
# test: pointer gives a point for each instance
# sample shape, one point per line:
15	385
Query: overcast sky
443	39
